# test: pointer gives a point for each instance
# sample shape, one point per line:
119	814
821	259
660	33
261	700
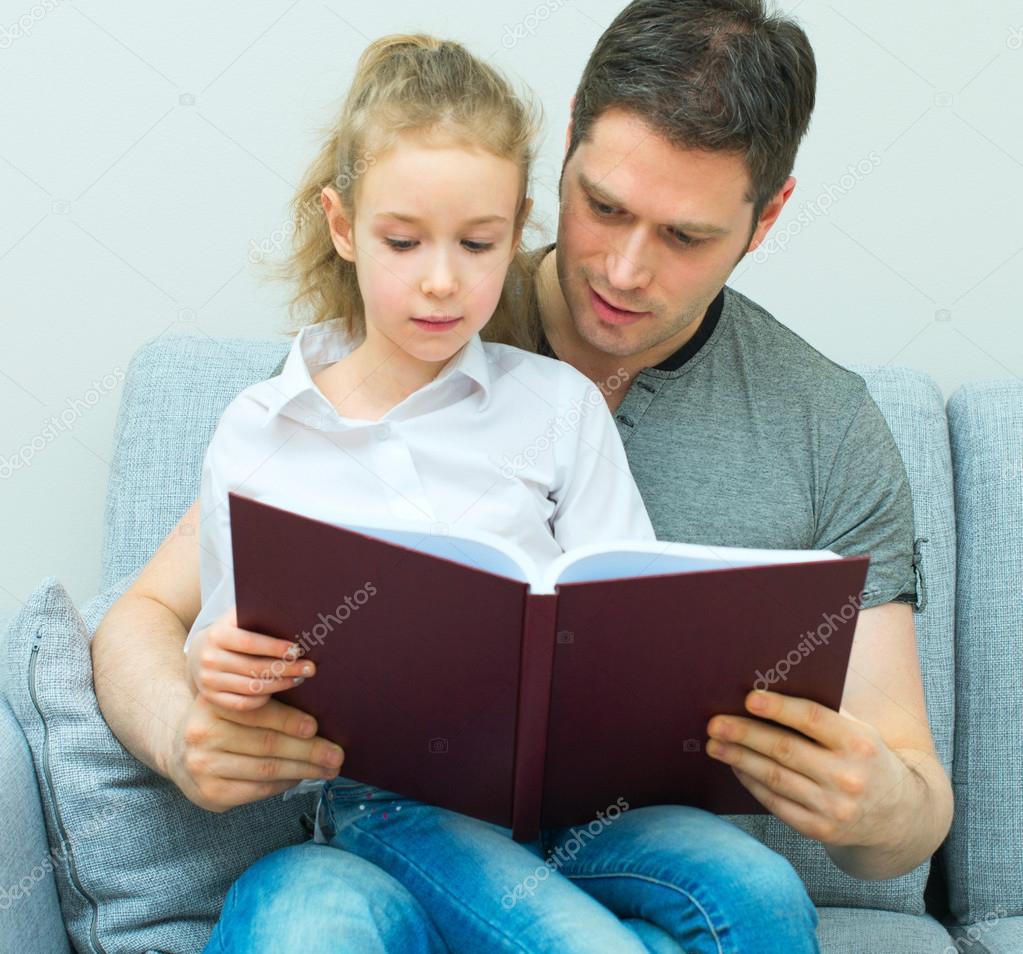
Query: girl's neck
374	377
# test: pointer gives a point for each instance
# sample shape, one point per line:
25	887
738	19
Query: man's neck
599	366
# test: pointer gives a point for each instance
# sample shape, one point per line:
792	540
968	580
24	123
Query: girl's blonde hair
408	83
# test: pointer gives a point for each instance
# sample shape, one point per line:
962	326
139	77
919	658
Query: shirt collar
321	344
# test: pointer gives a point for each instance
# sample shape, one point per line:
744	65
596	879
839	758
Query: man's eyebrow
403	217
604	196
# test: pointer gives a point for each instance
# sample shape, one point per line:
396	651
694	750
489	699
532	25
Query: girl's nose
440	281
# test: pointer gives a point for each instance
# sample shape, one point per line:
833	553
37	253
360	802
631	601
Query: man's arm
884	688
218	758
866	781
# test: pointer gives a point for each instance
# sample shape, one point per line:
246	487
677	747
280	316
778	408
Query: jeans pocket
343	789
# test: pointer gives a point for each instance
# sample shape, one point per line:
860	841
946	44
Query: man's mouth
612	314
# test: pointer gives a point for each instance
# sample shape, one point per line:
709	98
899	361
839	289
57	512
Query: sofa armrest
30	918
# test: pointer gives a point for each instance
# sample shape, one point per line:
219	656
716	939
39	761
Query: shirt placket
400	484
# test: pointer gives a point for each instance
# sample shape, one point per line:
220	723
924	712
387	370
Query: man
683	135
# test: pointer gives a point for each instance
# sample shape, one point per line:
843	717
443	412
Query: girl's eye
403	245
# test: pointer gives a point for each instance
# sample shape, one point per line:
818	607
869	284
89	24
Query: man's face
649	228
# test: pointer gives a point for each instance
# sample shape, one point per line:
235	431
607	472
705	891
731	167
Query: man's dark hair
722	75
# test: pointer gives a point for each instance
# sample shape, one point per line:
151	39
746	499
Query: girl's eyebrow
478	220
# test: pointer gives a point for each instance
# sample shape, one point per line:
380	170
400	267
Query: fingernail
307	669
298	680
332	757
308	727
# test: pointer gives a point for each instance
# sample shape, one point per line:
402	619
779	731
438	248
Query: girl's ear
339	223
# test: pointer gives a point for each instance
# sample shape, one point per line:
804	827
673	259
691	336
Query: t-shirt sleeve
867	508
596	497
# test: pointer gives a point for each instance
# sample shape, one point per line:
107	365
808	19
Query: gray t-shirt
755	439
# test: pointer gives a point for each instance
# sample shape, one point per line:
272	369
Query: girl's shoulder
548	372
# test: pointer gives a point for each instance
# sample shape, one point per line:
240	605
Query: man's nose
625	263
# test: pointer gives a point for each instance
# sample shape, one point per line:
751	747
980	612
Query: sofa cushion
914	409
175	390
855	931
30	920
985	847
138	867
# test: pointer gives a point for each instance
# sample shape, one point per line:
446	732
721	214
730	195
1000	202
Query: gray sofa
100	854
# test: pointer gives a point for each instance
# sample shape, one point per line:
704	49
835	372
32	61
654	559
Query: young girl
390	404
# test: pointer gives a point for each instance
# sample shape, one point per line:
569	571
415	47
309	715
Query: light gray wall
144	152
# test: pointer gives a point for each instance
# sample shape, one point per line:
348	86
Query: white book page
477	549
625	559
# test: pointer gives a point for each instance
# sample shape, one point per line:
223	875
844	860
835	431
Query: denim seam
662	884
438	886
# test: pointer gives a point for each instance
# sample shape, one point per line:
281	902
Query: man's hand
224	758
837	785
239	670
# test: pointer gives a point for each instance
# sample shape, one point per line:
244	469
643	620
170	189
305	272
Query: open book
453	670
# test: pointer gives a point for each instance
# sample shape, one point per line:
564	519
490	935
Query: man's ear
339	223
770	213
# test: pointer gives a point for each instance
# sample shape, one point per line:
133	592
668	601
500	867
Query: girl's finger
252	644
213	680
255	667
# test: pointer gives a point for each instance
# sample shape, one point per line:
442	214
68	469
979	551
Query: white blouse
502	440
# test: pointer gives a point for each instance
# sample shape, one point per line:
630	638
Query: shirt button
383	432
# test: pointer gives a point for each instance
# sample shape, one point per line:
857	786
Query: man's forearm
915	823
142	685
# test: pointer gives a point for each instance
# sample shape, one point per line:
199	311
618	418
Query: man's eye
600	208
684	239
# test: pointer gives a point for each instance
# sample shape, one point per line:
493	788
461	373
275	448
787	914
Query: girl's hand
237	669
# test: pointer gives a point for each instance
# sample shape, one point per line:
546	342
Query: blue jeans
664	879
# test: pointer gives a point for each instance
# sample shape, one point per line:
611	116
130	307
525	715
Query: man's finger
248	768
314	753
804	715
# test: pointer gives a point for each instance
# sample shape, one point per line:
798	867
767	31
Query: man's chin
620	342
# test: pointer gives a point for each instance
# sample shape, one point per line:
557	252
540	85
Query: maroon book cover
460	687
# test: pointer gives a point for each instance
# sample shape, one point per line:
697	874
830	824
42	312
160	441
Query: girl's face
433	237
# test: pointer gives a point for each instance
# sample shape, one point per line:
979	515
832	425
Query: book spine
537	666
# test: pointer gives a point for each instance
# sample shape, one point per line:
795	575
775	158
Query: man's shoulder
776	355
